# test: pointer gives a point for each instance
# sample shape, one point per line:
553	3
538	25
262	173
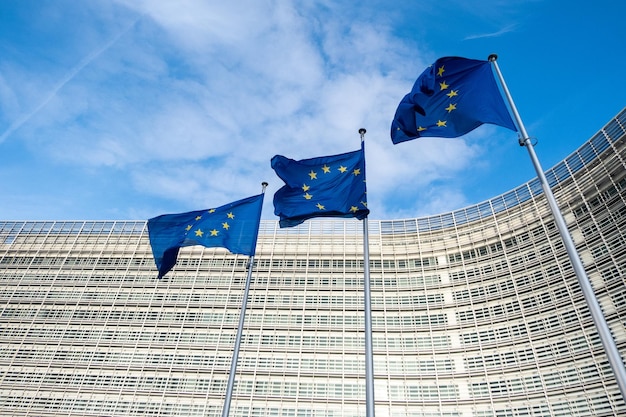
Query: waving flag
327	186
234	226
451	98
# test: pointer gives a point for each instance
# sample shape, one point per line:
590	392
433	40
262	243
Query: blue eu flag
234	226
327	186
451	98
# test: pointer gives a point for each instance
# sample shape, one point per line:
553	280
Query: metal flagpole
242	316
369	357
583	280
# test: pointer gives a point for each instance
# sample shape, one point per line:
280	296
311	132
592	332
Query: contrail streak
509	28
67	78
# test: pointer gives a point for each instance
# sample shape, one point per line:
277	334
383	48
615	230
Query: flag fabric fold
326	186
234	226
449	99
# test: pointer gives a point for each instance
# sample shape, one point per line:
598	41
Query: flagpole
602	327
369	356
242	316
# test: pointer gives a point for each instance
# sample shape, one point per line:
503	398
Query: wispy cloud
503	31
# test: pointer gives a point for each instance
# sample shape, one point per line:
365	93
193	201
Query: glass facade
476	312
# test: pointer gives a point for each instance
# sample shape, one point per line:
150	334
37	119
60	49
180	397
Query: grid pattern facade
476	313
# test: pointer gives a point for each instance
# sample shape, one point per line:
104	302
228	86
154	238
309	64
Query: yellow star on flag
336	187
233	226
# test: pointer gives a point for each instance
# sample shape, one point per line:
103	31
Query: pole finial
492	57
362	132
264	185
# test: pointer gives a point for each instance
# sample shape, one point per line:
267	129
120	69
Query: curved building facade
475	313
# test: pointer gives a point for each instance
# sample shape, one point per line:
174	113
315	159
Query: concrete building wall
476	313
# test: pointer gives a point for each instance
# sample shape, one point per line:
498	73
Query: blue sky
129	109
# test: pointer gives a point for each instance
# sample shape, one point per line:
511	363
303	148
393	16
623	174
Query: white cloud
196	97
